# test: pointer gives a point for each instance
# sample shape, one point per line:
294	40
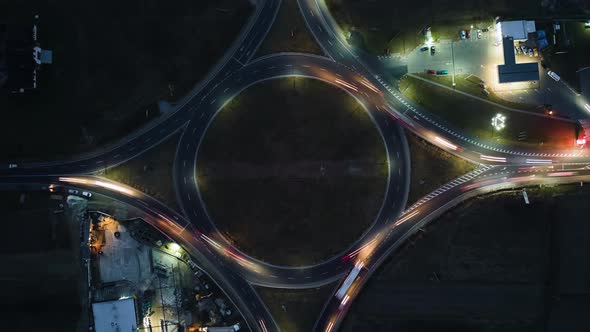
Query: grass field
289	33
396	25
470	84
295	159
111	62
41	265
432	167
151	172
492	246
474	117
295	310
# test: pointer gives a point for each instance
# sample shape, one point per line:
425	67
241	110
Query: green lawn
112	61
289	33
474	117
432	167
151	172
470	84
295	159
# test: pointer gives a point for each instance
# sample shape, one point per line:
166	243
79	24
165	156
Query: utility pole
453	58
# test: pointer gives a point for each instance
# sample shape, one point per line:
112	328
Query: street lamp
499	122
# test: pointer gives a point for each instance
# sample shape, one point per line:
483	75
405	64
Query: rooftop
510	71
115	316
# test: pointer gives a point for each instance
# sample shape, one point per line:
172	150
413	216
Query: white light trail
98	183
211	242
492	158
406	218
346	84
539	161
445	143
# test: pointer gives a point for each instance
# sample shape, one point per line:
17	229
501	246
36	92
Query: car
86	194
530	53
485	29
468	34
432	49
430	71
442	72
524	50
462	34
73	192
554	76
478	33
12	165
535	52
424	49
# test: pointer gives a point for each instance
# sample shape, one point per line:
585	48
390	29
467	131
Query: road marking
117	155
211	103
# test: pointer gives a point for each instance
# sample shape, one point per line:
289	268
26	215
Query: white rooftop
519	30
115	316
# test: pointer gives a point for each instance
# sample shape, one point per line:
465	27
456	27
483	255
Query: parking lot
480	57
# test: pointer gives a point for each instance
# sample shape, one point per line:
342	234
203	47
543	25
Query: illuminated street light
499	122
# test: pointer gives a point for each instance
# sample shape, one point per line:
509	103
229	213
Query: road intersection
364	77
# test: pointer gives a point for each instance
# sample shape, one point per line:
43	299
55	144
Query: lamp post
453	58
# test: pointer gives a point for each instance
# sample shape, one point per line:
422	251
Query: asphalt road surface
365	78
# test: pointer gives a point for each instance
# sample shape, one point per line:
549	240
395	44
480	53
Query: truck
349	280
442	72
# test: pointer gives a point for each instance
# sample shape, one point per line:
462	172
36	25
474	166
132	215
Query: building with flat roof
510	71
519	30
115	316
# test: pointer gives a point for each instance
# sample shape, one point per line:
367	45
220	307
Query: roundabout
302	166
308	274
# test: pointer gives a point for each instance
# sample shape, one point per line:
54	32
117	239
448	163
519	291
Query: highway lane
420	214
173	226
138	142
270	67
237	289
434	130
415	118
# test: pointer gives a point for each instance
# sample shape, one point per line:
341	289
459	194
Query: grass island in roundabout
292	171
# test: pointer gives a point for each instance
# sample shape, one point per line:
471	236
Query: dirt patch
111	62
295	310
491	264
42	269
295	159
